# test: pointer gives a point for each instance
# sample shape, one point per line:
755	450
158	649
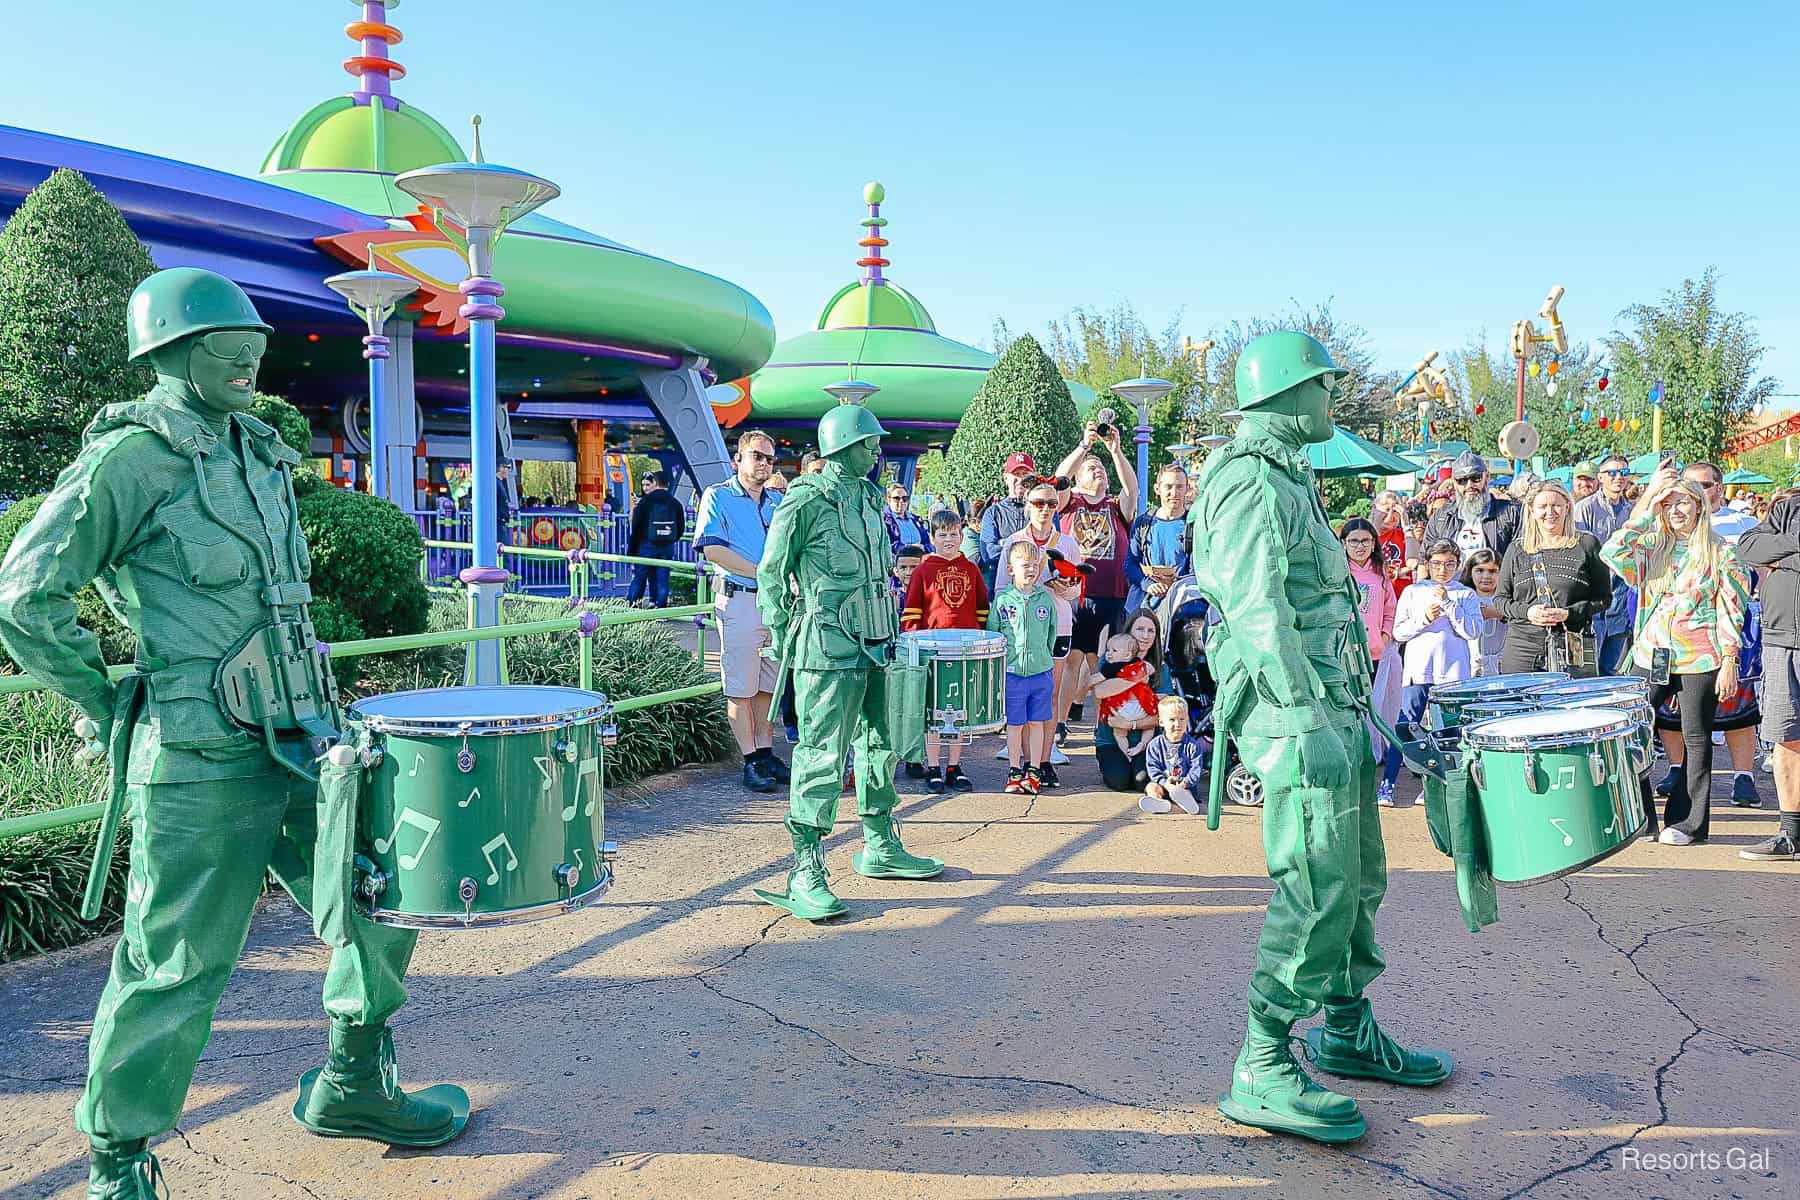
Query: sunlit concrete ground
1054	1017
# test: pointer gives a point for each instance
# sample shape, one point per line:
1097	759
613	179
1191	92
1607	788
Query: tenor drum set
1560	766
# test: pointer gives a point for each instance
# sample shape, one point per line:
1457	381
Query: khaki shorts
741	630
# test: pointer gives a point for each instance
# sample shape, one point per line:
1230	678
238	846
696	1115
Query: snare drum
965	679
1444	711
1643	745
1558	790
1608	685
482	805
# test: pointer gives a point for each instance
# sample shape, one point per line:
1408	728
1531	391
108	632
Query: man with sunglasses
181	508
1600	516
1474	518
903	529
730	527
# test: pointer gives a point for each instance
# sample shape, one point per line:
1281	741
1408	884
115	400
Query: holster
334	845
128	704
906	716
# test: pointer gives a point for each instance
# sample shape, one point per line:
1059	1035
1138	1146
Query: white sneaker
1674	837
1384	794
1186	803
1154	804
1001	752
1058	759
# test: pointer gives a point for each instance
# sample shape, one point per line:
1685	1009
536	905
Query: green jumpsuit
211	813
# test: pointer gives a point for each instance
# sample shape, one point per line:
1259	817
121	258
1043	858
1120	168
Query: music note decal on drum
590	769
1556	821
474	794
579	865
418	761
427	825
499	841
1565	779
543	766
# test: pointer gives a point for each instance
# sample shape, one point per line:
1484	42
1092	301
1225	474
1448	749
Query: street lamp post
1143	392
477	200
372	295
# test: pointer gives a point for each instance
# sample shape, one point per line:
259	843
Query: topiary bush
42	875
68	264
117	643
289	422
1023	405
366	556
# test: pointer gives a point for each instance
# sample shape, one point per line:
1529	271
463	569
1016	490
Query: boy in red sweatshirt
946	592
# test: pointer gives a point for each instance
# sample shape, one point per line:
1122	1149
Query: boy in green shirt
1026	613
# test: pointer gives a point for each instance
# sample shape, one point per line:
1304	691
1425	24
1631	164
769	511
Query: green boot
808	895
357	1094
124	1171
1270	1091
1351	1043
883	857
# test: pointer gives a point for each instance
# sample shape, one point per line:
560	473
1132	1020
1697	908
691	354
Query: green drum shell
519	836
1633	704
1444	711
1542	812
965	688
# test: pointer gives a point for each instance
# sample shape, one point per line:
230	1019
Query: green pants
199	853
838	710
1329	866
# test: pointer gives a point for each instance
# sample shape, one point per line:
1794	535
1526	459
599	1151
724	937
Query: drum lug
566	749
609	851
1597	768
374	880
466	891
1476	773
371	756
567	877
1531	773
609	735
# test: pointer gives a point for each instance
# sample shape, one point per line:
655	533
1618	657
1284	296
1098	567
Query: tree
1100	349
1368	404
1704	357
68	264
1023	405
287	421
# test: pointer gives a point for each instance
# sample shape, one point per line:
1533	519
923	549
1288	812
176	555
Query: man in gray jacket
1600	516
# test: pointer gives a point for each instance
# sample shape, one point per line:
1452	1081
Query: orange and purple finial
873	243
373	69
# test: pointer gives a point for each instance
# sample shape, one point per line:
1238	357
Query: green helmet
846	425
1275	362
174	303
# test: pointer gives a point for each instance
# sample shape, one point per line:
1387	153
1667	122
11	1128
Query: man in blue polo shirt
729	529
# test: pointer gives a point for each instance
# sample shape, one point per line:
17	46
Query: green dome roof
342	135
867	305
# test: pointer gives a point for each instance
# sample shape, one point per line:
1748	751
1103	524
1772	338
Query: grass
42	874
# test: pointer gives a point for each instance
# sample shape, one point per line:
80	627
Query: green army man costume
181	505
822	587
1291	657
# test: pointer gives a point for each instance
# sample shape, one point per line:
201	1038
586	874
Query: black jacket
1499	526
658	521
1773	549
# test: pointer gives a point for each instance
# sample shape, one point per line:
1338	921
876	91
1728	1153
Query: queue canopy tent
1645	464
1347	454
1743	477
1563	475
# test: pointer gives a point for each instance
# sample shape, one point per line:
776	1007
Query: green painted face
219	367
859	458
1301	414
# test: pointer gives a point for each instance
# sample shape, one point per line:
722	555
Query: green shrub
117	643
42	875
288	421
68	263
1356	508
1023	405
366	555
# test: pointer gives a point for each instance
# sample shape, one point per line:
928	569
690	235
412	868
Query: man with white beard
1473	519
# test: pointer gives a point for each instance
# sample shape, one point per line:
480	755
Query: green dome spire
874	302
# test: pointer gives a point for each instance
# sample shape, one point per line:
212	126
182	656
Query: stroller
1185	616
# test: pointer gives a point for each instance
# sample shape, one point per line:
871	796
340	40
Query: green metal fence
583	625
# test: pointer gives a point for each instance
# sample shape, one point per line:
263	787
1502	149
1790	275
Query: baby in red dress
1129	707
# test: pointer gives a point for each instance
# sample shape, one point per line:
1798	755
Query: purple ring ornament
484	575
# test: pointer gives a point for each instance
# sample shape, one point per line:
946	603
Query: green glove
1323	763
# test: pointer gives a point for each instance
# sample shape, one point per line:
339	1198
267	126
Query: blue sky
1430	168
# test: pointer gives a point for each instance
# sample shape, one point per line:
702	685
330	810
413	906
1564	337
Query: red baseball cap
1019	462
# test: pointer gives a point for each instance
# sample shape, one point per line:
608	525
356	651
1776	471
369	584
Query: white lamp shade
851	391
478	195
371	289
1142	390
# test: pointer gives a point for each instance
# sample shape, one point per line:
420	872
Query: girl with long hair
1481	575
1376	600
1689	628
1552	585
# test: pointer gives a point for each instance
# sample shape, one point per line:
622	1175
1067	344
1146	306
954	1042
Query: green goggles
229	344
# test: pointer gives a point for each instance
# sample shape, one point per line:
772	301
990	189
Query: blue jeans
1609	655
1412	712
656	579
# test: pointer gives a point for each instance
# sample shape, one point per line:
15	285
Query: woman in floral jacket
1691	606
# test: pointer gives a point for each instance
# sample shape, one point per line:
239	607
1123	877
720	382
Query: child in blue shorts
1026	614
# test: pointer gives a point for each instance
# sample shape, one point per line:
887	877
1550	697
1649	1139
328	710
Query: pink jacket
1378	602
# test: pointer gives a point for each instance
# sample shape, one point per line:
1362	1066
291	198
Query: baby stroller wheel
1244	788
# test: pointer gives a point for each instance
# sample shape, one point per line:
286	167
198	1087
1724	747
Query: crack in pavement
1662	1071
1403	1173
225	1166
985	825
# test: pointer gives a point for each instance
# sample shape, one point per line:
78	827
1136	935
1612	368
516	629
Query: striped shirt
1698	617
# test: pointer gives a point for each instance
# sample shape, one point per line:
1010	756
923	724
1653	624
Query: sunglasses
759	456
228	344
1042	503
1615	472
1469	478
898	496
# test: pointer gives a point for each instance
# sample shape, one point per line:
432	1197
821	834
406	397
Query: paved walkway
1054	1017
